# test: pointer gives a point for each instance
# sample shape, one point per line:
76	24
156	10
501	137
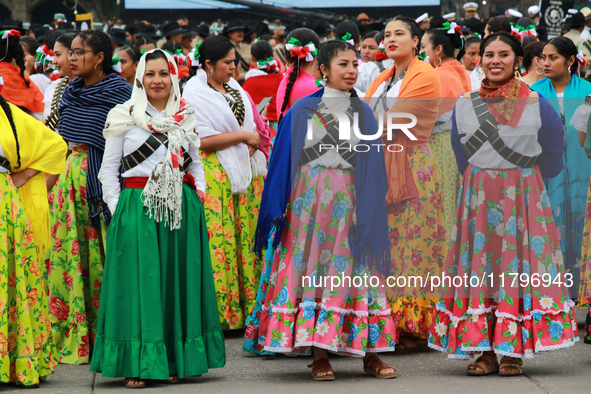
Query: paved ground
562	371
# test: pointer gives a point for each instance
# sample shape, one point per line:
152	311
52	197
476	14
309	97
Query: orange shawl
455	81
420	93
17	93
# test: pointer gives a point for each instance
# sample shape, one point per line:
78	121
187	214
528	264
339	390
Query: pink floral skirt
301	310
505	242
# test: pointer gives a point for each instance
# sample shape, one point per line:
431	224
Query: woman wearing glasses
79	217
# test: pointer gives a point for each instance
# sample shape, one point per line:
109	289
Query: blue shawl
568	191
369	239
82	115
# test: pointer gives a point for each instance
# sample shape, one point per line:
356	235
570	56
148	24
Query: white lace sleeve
581	118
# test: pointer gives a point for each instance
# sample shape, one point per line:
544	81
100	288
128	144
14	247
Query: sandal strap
376	364
321	365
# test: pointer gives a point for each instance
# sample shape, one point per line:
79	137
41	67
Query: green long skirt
158	312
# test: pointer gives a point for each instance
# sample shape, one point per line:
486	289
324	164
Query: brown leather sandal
130	385
485	364
515	366
374	366
321	365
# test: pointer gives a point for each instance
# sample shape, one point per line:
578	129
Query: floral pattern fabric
450	178
75	264
231	224
505	231
585	284
347	319
417	245
27	350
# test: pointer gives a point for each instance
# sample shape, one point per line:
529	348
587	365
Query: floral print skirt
417	245
450	178
251	342
585	284
26	347
300	310
231	224
75	265
516	301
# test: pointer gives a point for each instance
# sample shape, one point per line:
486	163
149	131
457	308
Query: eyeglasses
79	52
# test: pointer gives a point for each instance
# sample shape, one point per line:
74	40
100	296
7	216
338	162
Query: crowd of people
160	184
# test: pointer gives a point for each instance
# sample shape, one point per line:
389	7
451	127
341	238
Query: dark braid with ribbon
297	55
8	112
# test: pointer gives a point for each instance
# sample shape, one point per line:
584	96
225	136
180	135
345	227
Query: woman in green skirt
158	317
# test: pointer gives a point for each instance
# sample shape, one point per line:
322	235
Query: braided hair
8	112
327	53
13	50
304	35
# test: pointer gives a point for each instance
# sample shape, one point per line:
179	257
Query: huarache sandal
134	383
484	365
374	366
173	379
511	366
321	365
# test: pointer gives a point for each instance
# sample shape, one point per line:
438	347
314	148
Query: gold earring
517	74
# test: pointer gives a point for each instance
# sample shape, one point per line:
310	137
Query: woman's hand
251	150
253	139
19	179
264	113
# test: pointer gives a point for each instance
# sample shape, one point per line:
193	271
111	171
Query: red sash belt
139	182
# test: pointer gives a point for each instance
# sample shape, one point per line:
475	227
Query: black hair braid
8	112
13	50
291	81
304	35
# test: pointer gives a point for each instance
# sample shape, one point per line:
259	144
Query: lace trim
318	305
477	348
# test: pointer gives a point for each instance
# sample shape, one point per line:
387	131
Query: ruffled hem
28	370
507	335
158	360
313	325
75	342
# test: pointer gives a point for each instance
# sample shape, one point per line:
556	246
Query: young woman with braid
300	78
18	88
79	216
326	227
439	45
28	150
234	173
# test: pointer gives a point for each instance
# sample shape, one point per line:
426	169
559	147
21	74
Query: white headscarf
163	192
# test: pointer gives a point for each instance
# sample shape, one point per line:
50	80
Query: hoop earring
438	58
538	72
95	70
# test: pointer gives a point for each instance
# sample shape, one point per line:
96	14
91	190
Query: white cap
451	15
514	13
470	6
533	11
422	17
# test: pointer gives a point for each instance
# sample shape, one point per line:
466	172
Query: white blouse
48	97
118	146
522	139
369	71
335	101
